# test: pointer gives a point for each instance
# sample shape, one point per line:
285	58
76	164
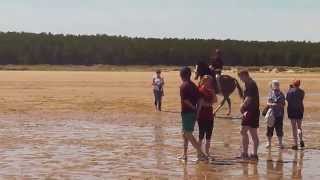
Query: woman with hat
295	98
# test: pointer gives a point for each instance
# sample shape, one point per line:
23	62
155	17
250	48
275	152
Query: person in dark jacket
217	66
251	113
295	110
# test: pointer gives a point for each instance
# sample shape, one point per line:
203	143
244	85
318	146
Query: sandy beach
102	125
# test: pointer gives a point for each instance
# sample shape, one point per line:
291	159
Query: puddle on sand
101	149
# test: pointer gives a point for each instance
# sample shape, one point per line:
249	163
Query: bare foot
203	157
254	157
183	157
268	146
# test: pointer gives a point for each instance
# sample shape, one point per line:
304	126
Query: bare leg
208	147
245	140
269	142
185	147
155	100
160	103
280	142
299	123
294	131
255	139
200	142
194	142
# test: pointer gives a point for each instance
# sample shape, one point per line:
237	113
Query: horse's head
201	69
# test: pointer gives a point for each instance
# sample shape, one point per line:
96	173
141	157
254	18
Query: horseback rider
217	66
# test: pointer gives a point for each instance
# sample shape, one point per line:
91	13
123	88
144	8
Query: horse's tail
240	91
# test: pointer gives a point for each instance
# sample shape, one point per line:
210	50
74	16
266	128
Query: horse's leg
220	105
229	105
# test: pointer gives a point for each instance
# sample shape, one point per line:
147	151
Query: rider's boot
218	82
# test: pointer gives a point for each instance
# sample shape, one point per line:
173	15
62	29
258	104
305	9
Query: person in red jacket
205	116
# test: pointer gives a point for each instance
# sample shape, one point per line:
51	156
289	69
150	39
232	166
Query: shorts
205	128
252	120
294	119
295	113
188	121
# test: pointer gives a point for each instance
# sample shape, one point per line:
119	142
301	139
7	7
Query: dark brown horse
228	84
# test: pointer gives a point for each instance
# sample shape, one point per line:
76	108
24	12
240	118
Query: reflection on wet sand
99	149
297	165
159	142
274	166
250	169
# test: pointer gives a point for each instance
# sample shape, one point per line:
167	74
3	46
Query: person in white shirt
158	83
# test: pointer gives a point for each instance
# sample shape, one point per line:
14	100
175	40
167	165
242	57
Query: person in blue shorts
189	97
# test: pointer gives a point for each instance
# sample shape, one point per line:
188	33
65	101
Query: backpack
270	118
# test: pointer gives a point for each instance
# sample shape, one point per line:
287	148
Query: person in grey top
295	110
158	83
276	101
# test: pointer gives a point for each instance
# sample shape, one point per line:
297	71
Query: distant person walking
251	113
276	101
189	97
295	97
205	116
158	83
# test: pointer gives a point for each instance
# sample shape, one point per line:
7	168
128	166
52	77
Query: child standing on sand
205	116
189	98
158	83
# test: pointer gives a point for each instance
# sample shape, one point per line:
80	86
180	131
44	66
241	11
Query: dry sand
102	125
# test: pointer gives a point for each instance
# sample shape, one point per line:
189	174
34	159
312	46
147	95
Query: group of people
197	106
295	109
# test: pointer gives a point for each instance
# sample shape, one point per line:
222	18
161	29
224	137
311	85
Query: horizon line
162	38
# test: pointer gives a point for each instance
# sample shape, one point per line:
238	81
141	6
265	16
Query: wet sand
102	125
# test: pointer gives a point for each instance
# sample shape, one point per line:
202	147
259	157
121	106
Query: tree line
22	48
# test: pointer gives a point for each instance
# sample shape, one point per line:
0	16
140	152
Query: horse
228	84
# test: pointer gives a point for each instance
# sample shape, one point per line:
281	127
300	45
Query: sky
274	20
